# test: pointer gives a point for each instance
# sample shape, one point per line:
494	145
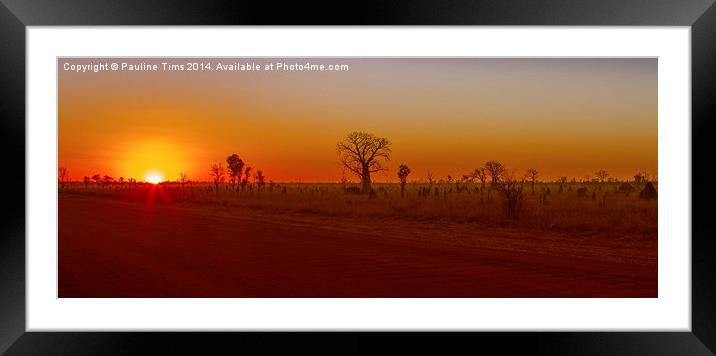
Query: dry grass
555	211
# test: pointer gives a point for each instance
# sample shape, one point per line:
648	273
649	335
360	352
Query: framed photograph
506	168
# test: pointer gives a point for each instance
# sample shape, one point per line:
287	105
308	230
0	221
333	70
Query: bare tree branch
362	153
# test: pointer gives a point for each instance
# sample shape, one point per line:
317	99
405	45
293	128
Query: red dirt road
112	248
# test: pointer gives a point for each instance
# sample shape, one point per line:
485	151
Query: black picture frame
16	15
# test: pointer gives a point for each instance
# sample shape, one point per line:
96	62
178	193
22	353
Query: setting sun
154	178
154	160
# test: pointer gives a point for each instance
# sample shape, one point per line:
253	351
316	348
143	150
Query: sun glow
152	160
154	178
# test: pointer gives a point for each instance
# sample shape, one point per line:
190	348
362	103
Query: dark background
16	14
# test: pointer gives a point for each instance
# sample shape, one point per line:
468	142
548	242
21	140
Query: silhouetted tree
217	172
86	181
532	175
182	180
480	174
641	177
362	153
512	192
247	174
431	179
107	179
97	178
344	180
235	167
62	176
495	169
259	179
403	172
601	175
562	182
638	178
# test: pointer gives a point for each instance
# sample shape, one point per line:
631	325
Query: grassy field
601	208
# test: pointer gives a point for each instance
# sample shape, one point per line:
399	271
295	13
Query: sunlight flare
154	178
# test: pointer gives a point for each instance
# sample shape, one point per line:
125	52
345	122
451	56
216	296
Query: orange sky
567	117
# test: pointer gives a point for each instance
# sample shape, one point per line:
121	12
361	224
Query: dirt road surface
113	248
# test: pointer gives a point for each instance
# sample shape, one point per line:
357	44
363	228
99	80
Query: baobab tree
495	169
601	175
217	172
362	153
532	175
235	167
62	176
403	172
